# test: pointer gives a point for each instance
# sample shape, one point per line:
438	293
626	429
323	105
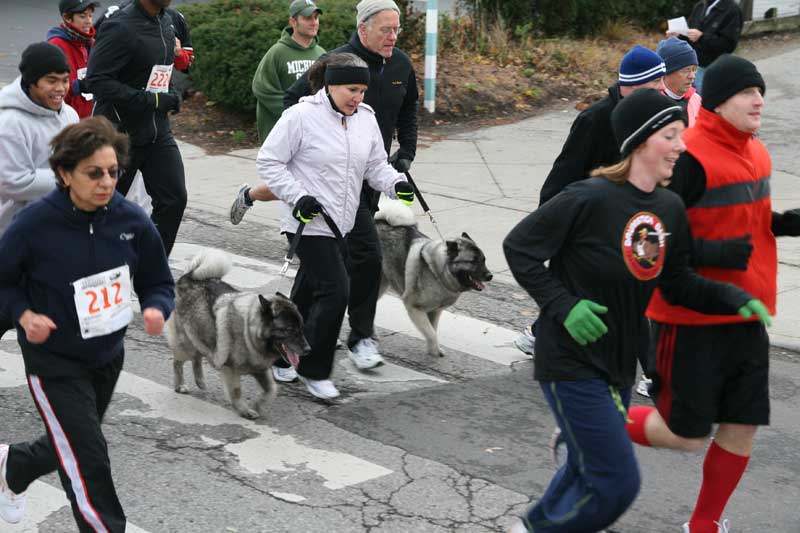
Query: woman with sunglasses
70	262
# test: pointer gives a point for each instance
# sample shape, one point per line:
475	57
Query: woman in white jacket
316	158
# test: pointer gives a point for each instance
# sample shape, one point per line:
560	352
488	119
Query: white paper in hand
678	26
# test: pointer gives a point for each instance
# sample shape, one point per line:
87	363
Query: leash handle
287	260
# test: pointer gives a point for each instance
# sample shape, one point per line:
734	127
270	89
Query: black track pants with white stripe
72	409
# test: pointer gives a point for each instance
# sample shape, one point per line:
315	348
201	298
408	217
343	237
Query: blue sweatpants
600	479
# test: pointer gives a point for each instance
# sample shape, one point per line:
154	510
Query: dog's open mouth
475	283
289	356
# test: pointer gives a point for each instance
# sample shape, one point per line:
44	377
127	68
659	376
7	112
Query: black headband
341	75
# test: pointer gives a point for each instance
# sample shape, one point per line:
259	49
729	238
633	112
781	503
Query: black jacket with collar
128	45
721	29
392	94
590	144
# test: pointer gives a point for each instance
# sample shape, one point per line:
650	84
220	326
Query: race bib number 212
103	302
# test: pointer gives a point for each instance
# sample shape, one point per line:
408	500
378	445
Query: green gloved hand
755	307
583	324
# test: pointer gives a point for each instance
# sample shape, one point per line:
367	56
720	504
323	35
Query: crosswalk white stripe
465	334
269	451
42	501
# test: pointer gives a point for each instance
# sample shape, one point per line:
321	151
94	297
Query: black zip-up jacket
392	94
127	47
721	29
51	244
589	145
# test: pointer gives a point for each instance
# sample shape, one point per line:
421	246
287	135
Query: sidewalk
484	182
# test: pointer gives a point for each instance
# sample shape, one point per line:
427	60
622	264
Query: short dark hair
78	141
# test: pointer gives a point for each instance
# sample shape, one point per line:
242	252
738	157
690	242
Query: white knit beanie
366	8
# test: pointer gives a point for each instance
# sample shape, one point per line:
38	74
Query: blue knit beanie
639	66
676	54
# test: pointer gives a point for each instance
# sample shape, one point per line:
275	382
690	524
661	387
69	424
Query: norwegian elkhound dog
238	332
429	275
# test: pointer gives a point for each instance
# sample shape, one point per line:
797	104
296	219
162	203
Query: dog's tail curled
208	264
396	213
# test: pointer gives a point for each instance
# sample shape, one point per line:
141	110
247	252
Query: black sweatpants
365	270
320	291
164	179
72	408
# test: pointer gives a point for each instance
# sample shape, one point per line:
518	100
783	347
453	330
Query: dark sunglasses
97	173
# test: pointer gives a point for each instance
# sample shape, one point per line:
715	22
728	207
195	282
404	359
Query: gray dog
238	332
429	275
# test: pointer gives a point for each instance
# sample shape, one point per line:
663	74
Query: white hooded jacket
315	150
26	130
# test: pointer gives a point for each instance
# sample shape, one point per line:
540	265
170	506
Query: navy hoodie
52	243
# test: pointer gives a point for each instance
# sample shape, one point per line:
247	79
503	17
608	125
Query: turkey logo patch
644	245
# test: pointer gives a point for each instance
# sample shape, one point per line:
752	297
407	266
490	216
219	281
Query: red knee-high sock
722	471
635	426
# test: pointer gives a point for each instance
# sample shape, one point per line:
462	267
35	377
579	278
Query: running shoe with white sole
240	207
643	388
284	375
365	354
526	341
12	506
722	527
323	389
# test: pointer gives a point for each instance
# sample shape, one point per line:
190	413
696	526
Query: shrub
578	17
231	36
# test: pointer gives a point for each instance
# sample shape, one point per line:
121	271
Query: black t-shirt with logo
612	244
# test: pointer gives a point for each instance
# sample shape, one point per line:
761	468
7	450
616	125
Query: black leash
423	203
287	260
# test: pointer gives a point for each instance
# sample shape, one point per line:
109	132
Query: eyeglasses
98	173
386	30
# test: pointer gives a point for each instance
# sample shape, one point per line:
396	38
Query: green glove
755	306
583	324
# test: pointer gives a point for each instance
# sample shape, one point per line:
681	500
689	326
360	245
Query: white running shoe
12	506
239	207
526	341
284	375
365	354
321	388
518	527
643	388
722	527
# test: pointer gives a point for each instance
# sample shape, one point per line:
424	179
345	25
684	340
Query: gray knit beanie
366	8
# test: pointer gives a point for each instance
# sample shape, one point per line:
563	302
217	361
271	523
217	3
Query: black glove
168	102
728	253
404	192
786	224
400	164
306	209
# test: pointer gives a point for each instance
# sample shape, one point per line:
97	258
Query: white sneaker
365	354
643	388
284	375
722	527
12	506
322	388
239	207
526	341
518	527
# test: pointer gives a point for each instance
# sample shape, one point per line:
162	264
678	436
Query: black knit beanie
726	76
640	115
40	59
